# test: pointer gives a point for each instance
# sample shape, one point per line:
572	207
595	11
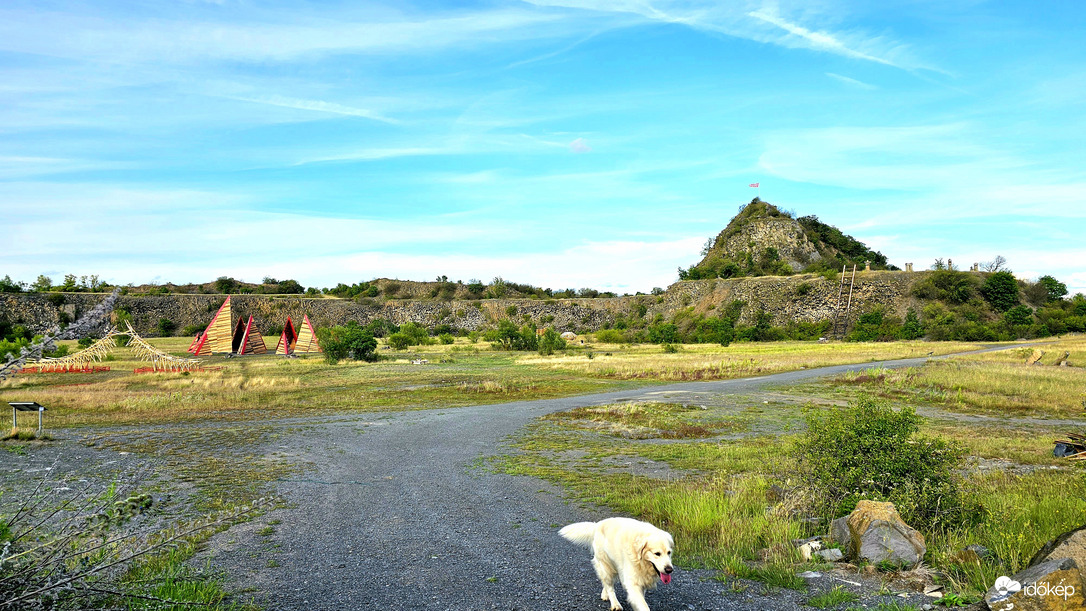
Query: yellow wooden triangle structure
219	335
307	338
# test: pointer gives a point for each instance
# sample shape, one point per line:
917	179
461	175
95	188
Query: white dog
635	552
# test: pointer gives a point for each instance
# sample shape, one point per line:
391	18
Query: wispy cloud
271	36
318	106
851	81
757	21
799	36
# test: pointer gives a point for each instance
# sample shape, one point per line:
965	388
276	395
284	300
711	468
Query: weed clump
870	451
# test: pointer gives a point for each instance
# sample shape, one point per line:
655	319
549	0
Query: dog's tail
580	533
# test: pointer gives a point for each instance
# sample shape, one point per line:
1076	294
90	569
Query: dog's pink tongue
665	577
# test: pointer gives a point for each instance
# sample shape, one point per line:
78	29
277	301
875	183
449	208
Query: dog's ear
641	544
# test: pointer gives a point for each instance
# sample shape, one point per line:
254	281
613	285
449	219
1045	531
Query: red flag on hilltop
754	185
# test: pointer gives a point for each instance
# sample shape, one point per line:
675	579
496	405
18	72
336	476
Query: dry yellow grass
712	362
994	382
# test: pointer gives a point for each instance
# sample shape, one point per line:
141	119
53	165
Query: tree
1001	290
291	287
7	285
226	284
1056	290
42	284
550	342
998	264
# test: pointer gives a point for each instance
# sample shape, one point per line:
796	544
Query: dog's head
656	548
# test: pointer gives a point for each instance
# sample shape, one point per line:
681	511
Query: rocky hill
763	240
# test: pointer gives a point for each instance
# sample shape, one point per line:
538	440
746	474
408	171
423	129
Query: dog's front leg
634	593
607	577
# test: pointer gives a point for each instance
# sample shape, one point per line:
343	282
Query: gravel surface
395	515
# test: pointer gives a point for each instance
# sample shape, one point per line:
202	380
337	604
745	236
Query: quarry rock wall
808	298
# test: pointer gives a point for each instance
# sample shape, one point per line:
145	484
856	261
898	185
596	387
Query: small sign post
25	406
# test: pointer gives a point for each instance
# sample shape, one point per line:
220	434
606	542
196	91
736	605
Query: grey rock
839	532
831	555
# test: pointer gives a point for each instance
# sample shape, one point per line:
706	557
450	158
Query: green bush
1001	290
192	330
347	342
446	338
399	341
165	327
550	342
611	336
1019	315
947	285
869	451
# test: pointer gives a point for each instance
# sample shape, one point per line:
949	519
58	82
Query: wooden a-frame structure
287	339
247	338
307	338
218	336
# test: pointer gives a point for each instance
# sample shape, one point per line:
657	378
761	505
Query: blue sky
564	143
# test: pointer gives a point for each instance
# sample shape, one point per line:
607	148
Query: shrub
1001	290
1018	315
446	338
872	452
192	330
347	342
509	337
165	327
511	310
947	285
611	336
550	341
399	341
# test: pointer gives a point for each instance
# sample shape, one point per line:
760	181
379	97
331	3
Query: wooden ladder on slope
837	317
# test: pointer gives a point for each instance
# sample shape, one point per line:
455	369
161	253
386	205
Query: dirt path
396	516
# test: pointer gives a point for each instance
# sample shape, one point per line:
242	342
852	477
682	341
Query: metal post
14	420
40	410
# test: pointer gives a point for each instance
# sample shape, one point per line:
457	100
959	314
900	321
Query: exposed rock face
1052	585
808	298
878	534
781	233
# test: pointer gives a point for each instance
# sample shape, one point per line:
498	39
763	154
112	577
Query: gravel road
394	517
